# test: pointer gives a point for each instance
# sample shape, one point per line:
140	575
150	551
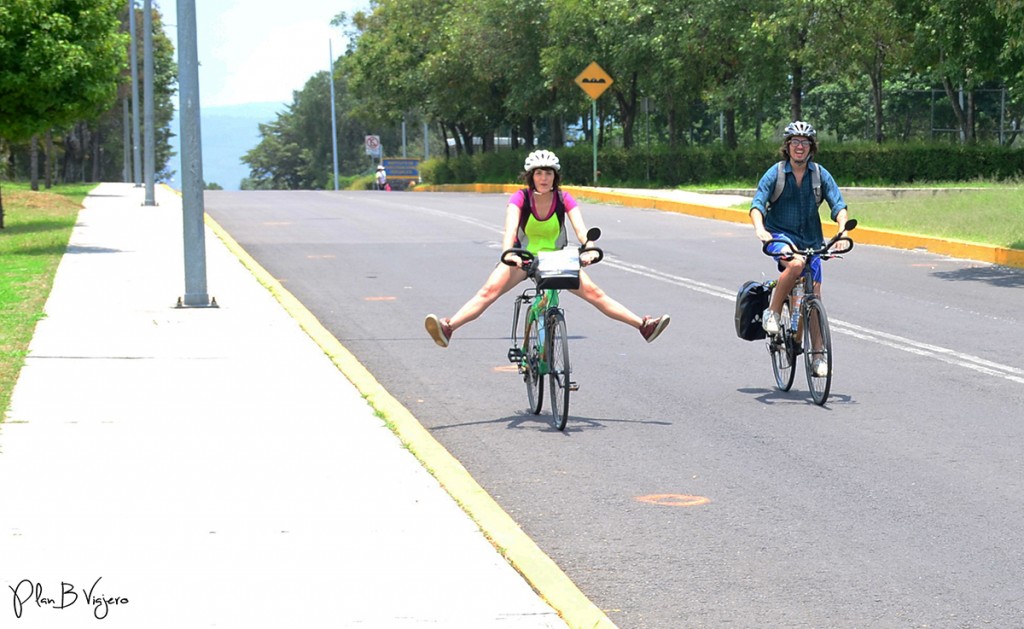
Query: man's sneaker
819	368
770	322
651	328
439	329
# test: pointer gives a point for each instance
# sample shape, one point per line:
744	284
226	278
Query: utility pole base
196	301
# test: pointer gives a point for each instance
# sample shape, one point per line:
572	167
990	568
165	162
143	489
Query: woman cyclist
535	221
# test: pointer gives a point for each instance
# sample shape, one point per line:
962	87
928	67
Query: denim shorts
776	249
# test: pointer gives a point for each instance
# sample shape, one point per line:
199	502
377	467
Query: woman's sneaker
439	329
651	328
819	368
770	322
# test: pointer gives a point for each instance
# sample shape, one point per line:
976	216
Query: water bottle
540	334
798	298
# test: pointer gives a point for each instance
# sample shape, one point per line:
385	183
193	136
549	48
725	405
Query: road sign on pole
594	81
373	145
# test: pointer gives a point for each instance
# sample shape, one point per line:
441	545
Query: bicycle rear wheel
558	368
783	352
817	346
531	368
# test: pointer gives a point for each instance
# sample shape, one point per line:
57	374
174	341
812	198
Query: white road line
936	352
893	341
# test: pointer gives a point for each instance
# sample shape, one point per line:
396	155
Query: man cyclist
790	212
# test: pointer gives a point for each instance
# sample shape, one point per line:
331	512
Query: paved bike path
212	467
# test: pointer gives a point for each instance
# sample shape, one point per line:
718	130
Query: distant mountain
229	132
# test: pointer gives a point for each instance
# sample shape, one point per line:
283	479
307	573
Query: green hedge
851	164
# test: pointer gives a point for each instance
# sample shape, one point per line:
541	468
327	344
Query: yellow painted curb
543	574
863	235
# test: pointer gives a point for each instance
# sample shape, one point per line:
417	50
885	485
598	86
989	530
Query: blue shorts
776	248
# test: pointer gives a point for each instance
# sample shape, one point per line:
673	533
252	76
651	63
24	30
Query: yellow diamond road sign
594	80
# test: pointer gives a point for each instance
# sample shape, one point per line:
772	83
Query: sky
260	51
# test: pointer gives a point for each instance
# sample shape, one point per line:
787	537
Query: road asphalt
165	466
230	466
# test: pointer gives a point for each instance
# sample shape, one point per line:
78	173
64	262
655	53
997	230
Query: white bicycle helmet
799	128
541	159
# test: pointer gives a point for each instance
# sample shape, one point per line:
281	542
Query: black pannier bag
751	302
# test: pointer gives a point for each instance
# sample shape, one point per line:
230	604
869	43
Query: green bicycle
544	350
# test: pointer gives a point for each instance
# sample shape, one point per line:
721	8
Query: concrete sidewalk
211	467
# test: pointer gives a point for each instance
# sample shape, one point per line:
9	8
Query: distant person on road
535	220
787	209
381	178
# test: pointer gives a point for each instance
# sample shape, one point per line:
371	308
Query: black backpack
751	301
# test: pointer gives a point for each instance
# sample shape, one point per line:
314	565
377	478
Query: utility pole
147	97
191	158
334	123
136	142
126	157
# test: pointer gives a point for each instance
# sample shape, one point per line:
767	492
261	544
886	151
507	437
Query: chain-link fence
917	115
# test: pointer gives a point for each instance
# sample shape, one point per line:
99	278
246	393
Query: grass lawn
993	216
37	228
989	213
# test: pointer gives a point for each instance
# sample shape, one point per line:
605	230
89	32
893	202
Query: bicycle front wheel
783	352
558	368
531	368
817	350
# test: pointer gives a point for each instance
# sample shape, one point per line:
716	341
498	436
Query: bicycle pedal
573	386
515	355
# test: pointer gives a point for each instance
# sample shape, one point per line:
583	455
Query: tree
295	150
389	68
59	62
874	39
165	78
1011	12
736	69
470	66
615	33
959	44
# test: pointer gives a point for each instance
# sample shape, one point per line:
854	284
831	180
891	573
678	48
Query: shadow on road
794	397
543	423
1000	276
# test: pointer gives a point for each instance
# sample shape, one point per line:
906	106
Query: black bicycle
544	350
803	323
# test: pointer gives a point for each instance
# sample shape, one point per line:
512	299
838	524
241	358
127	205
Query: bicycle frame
542	303
805	329
798	302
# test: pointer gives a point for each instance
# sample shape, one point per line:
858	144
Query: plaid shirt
795	212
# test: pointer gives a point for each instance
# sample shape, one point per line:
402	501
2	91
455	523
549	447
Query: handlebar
825	251
528	257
